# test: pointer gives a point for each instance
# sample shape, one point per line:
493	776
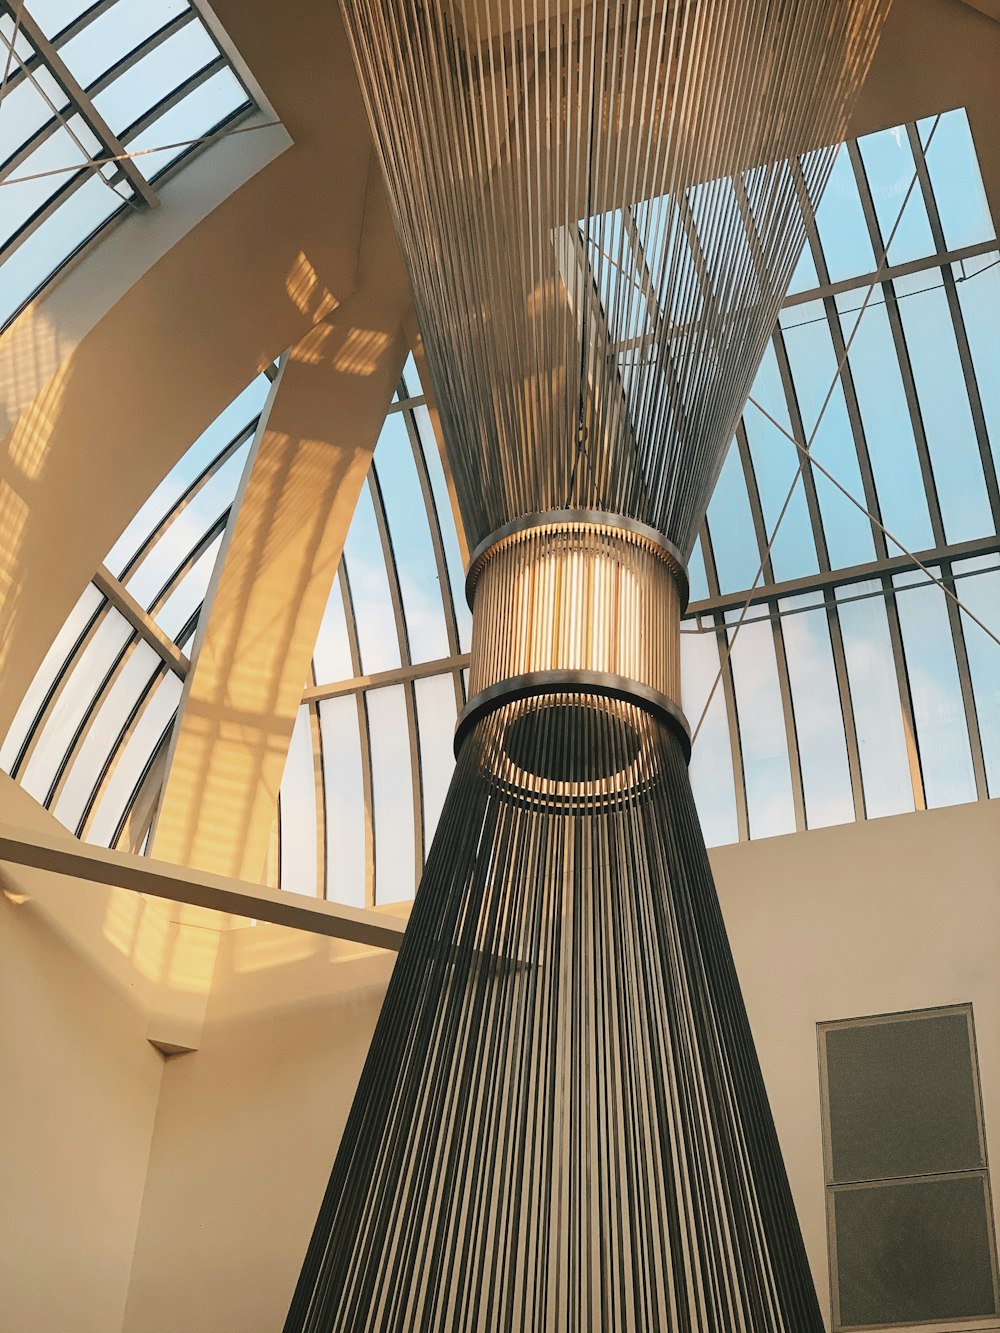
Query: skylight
100	101
855	687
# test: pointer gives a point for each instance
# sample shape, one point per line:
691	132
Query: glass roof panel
147	71
864	692
346	799
840	221
889	171
958	186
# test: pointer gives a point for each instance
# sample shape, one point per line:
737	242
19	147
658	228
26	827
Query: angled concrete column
251	657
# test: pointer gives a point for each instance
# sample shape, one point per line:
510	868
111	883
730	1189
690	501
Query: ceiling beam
62	855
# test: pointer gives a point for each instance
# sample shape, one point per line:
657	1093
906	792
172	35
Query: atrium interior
235	644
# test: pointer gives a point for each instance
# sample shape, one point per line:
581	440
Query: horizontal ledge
63	855
379	679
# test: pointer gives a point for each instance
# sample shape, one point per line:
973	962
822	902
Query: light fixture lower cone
561	1124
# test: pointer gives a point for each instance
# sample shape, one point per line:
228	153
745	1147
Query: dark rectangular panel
913	1251
902	1098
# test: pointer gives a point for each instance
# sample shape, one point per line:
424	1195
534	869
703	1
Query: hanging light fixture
561	1123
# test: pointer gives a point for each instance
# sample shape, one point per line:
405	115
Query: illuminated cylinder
570	608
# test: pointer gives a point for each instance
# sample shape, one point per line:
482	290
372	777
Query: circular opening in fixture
572	741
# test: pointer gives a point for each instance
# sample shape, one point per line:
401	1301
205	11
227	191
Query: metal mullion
440	666
319	790
846	702
56	688
407	404
905	695
116	753
889	271
958	322
416	782
365	738
799	431
141	621
186	496
88	112
902	355
728	691
845	577
753	496
965	679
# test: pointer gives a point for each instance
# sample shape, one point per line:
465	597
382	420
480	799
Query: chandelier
561	1124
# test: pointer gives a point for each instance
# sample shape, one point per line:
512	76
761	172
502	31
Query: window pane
196	114
370	596
35	259
889	167
436	718
392	795
446	518
711	766
233	420
958	187
345	801
942	735
841	224
819	720
762	730
775	465
886	420
149	730
913	1253
205	508
813	364
878	718
133	679
332	654
406	516
115	34
52	664
82	685
944	408
298	811
979	297
154	76
981	594
730	526
189	593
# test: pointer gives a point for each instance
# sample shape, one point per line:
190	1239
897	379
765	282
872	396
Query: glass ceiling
854	687
85	84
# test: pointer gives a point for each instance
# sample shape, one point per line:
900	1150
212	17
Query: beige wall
894	914
79	1092
246	1132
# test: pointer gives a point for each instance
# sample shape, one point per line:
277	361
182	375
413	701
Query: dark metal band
558	518
573	682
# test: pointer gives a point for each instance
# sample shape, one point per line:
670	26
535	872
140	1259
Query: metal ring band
574	682
559	518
